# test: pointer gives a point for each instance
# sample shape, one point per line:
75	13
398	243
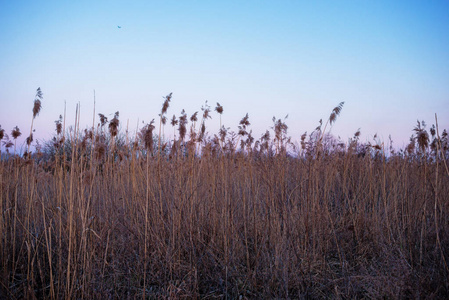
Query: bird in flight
119	26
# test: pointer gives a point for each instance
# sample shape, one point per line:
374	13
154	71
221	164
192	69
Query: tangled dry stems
93	216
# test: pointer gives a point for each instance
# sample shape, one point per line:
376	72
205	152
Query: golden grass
94	216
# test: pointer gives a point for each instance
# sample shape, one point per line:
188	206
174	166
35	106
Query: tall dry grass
96	214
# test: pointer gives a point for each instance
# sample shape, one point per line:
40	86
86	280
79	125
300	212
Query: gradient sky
388	60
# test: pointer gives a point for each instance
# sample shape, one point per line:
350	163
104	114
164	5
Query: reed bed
99	213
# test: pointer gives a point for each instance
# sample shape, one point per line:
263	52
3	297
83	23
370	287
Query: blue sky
388	60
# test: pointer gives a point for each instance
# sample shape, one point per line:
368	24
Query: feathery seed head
37	107
266	136
223	133
336	112
173	121
8	144
89	134
182	125
59	125
318	128
29	139
147	135
303	136
423	140
422	137
242	132
279	128
249	139
411	146
194	117
206	111
433	131
37	103
203	129
166	103
113	125
245	121
219	108
192	134
103	119
16	132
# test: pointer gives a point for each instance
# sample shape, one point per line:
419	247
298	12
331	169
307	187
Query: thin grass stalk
70	212
439	144
14	235
437	229
147	203
49	250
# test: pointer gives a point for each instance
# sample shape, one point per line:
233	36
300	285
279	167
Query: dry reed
96	217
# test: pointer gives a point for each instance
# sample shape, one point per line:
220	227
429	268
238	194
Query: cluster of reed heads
98	212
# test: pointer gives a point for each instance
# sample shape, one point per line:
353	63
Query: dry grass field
103	213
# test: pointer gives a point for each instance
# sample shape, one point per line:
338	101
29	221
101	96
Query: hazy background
388	60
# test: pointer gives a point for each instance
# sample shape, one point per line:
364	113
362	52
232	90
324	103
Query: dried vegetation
101	214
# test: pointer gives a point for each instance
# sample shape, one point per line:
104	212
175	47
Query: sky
387	60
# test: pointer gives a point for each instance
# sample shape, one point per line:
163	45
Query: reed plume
58	124
29	139
280	130
2	133
182	125
173	123
223	132
37	102
219	110
206	111
163	119
229	224
36	109
206	115
335	113
265	141
103	119
113	125
422	137
147	136
15	133
194	117
244	122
